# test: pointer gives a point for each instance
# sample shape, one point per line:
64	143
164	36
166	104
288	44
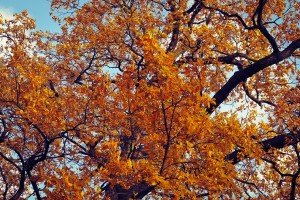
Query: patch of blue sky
37	9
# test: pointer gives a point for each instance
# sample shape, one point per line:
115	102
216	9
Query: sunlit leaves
120	102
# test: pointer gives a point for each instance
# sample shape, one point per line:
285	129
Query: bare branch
249	71
262	28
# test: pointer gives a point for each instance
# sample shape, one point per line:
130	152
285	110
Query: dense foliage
154	99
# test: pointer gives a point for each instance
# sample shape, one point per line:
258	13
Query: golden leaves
105	103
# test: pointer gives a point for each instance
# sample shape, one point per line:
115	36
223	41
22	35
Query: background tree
129	101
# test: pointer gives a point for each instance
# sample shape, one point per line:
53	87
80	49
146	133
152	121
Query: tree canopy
154	99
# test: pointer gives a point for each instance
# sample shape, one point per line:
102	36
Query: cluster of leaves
127	101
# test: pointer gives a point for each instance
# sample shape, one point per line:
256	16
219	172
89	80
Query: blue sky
38	9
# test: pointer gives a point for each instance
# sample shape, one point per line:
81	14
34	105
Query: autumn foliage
154	99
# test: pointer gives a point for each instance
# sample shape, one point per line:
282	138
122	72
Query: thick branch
34	186
294	184
21	186
176	26
263	29
249	71
167	145
10	161
194	14
192	8
4	179
138	191
277	142
231	57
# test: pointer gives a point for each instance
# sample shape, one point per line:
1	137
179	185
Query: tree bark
277	142
249	71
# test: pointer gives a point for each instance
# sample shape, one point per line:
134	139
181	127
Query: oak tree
154	99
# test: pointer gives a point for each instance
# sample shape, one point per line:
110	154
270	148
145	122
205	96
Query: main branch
249	71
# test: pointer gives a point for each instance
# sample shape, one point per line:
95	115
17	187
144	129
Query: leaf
156	99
